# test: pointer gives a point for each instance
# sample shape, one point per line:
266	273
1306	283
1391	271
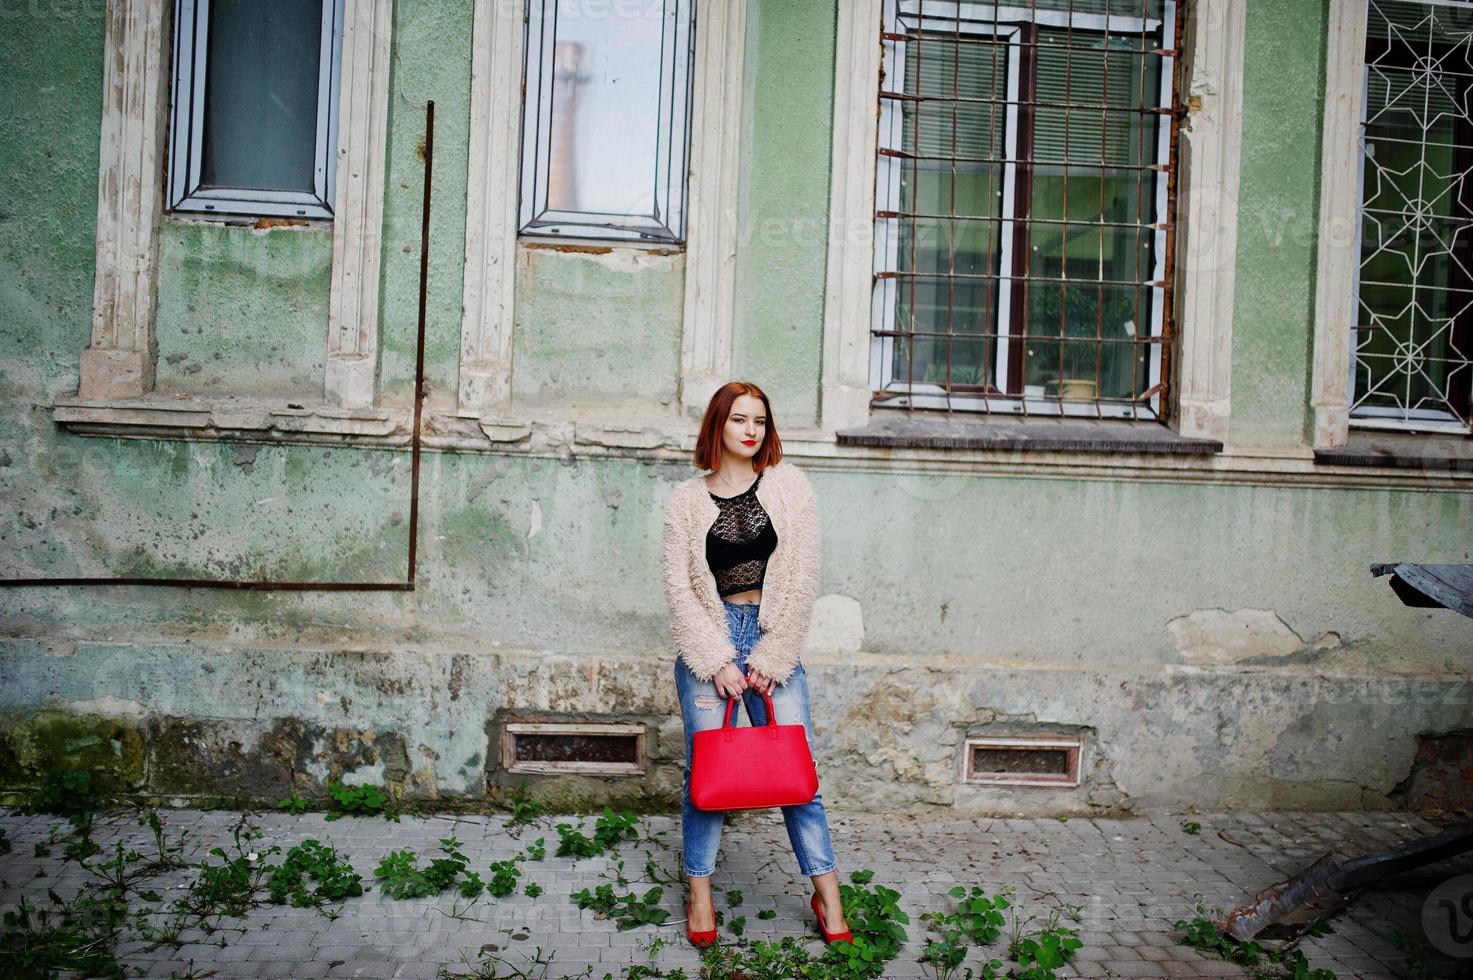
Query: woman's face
746	427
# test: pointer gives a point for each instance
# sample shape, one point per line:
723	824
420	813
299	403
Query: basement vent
1018	761
557	747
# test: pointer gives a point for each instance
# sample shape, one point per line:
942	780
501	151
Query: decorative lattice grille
1413	334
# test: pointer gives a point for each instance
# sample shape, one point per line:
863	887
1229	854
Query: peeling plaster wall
1213	645
597	333
213	280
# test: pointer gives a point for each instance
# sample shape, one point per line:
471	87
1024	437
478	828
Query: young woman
741	574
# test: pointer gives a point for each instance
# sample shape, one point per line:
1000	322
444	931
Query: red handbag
752	767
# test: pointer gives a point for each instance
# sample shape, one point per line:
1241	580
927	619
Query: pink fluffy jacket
697	616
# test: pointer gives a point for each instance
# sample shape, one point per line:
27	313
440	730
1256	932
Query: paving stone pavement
1131	877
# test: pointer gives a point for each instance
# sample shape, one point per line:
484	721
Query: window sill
928	430
165	417
573	245
1402	451
1052	449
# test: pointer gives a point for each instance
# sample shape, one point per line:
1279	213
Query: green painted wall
597	334
51	104
1278	214
242	312
528	560
432	61
787	135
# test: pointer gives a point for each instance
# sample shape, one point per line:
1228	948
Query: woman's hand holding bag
753	767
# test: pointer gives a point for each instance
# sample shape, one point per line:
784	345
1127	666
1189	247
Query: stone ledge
1402	451
153	415
925	430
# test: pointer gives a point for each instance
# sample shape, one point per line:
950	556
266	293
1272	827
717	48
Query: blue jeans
702	708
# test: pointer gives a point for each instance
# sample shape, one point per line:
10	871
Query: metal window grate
1022	227
1413	333
566	747
1020	761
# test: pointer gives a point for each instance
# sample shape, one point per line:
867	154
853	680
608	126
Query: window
605	141
254	122
1413	331
1021	218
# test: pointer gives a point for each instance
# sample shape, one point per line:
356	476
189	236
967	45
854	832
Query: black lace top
740	542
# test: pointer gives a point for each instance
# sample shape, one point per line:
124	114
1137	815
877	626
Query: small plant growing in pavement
358	801
648	970
403	878
504	875
490	965
628	911
69	936
293	804
763	960
524	810
169	855
230	888
1191	826
66	793
876	921
945	954
1045	950
609	830
332	878
979	917
619	878
659	875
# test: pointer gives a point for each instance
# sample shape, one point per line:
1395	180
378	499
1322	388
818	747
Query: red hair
708	443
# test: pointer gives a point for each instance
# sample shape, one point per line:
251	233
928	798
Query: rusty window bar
1054	302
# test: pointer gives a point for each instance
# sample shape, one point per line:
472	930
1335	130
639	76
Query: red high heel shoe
828	937
706	937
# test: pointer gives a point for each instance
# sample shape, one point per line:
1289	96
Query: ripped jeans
701	708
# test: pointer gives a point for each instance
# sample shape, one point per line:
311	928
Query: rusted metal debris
1431	586
1288	909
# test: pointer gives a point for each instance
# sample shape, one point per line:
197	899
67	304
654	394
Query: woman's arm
703	647
776	652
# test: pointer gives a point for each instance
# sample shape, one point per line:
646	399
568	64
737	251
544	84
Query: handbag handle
767	699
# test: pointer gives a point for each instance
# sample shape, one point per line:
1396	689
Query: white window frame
671	167
493	206
117	367
191	36
910	14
